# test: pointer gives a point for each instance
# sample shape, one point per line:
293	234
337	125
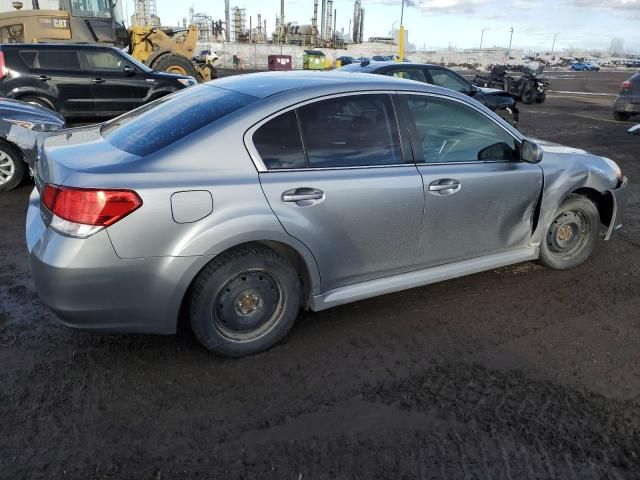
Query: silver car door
479	197
333	173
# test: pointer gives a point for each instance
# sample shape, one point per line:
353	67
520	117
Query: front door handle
303	196
43	78
444	186
98	80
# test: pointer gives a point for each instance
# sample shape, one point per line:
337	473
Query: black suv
499	101
81	81
628	100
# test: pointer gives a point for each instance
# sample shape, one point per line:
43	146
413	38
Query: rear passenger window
278	143
51	60
351	131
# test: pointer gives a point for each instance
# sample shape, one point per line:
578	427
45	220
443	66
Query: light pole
554	43
510	42
401	34
482	37
393	26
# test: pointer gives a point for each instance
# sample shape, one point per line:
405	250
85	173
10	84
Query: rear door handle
43	78
304	194
444	186
98	80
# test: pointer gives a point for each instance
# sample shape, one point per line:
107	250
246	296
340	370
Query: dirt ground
520	372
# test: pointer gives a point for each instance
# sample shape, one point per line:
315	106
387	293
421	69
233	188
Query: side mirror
531	152
129	71
634	130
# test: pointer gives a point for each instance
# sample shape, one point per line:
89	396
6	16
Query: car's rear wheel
12	167
621	116
573	234
245	301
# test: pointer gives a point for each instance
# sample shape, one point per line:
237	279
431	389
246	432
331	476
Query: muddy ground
520	372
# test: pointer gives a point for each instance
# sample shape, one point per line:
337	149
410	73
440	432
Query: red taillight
88	206
626	85
3	66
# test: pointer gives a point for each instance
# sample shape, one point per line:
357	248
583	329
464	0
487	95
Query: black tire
174	63
528	96
33	100
212	73
253	287
13	169
572	235
621	116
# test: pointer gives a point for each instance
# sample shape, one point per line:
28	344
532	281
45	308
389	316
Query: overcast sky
437	23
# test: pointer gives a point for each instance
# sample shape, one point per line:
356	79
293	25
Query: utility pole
401	33
510	42
482	37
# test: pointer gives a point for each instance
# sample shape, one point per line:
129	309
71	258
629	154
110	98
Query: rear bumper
627	104
89	287
619	196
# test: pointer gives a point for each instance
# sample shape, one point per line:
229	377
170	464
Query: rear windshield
168	119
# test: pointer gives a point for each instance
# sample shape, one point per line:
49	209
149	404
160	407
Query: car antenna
365	62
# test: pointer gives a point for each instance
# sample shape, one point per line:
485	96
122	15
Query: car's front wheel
245	301
12	167
572	235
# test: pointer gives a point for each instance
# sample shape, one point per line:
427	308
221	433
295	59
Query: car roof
54	46
266	84
373	66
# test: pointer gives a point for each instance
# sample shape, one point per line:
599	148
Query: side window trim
411	128
262	168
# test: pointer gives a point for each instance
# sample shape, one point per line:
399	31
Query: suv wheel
36	101
245	301
12	167
621	116
572	235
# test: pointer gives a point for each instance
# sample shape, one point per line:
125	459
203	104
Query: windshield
91	8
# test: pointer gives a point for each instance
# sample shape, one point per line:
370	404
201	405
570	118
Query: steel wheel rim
568	233
248	306
7	168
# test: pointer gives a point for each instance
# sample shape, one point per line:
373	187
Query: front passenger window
103	62
447	131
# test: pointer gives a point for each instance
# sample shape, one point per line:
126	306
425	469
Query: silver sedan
246	199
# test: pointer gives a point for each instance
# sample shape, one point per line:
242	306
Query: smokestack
335	16
282	34
314	23
227	19
323	20
329	18
361	28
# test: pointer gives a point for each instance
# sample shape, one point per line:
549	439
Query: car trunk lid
76	150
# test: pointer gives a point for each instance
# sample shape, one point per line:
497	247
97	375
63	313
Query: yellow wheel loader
101	21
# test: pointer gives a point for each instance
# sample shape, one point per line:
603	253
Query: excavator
101	21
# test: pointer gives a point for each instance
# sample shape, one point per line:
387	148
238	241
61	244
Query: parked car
635	130
321	190
81	81
582	66
20	126
381	58
346	60
627	102
501	102
593	66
